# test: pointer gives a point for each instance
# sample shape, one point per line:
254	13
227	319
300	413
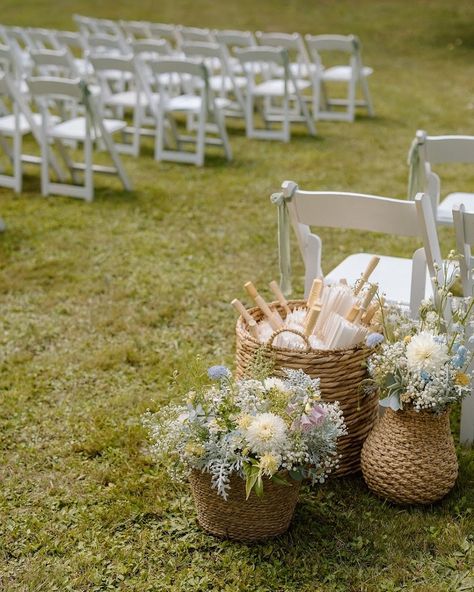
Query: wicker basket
341	373
409	457
240	519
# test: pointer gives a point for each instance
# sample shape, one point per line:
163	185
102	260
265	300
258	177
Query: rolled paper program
275	288
311	319
275	323
367	273
369	315
315	292
251	322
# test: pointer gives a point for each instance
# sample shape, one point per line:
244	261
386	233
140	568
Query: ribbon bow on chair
415	163
284	252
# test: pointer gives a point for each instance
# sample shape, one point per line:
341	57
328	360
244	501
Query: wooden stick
367	273
369	315
275	288
311	320
352	314
251	322
367	300
315	292
275	324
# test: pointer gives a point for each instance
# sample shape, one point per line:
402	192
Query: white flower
269	464
267	433
424	353
276	383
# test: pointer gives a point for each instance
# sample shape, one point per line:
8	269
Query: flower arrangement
423	364
269	428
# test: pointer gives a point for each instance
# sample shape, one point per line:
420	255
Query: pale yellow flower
269	464
462	379
244	421
194	449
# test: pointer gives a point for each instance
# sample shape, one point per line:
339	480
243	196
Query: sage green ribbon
284	251
416	173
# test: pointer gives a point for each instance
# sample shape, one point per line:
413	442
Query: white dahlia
275	383
425	353
267	433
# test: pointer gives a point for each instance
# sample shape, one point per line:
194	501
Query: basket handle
275	334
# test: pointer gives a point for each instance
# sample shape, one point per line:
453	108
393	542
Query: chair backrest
43	38
85	24
194	35
364	212
212	54
51	62
179	66
293	42
50	87
464	229
232	39
151	48
348	44
261	55
106	44
9	61
70	40
135	30
163	31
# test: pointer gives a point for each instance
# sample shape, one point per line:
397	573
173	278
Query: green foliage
102	302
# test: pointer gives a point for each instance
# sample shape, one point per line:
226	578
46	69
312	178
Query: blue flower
460	358
424	375
218	372
374	339
470	342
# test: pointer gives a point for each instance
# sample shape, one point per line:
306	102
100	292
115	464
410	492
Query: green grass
102	303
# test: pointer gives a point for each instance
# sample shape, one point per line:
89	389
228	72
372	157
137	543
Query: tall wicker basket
239	519
340	371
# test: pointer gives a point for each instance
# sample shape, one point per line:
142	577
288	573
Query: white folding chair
196	99
88	129
464	229
86	25
225	84
281	96
14	125
103	43
404	281
133	99
426	151
300	63
355	75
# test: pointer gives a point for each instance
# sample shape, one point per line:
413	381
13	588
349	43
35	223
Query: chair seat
343	73
276	87
304	70
444	214
224	83
128	99
7	124
392	274
192	103
83	66
75	129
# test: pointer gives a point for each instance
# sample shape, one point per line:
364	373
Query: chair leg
220	121
201	134
467	421
368	99
351	98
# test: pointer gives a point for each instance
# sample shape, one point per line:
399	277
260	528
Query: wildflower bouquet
270	428
423	364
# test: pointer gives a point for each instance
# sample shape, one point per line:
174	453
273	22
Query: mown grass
105	306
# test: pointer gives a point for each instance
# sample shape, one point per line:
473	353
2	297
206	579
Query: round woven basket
409	457
340	371
240	519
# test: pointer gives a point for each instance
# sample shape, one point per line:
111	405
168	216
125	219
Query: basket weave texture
409	457
340	371
239	519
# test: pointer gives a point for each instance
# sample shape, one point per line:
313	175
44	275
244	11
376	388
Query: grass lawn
105	307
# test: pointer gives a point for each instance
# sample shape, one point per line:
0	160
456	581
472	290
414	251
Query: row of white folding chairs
305	58
55	125
306	55
403	281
